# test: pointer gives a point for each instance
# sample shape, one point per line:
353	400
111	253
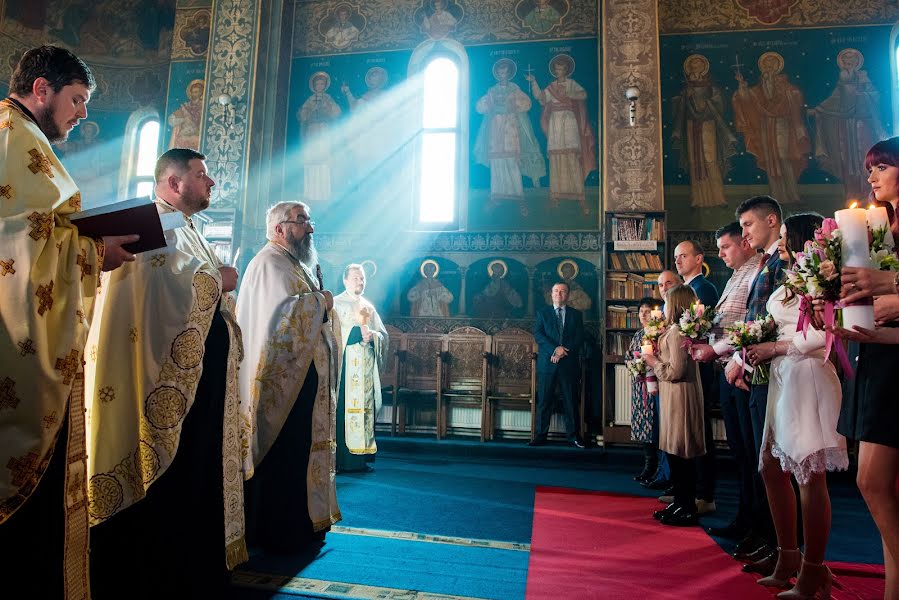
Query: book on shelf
635	261
137	215
636	227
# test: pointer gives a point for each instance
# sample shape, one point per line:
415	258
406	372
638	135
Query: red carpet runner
588	545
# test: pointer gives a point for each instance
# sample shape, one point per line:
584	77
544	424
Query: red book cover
137	215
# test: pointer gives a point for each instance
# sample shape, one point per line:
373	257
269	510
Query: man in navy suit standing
559	333
688	259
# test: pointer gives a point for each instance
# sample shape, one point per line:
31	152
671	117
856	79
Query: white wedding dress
804	397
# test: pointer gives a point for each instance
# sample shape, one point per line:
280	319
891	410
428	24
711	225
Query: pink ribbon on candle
830	338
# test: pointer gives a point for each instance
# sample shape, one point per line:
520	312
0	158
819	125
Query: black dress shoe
764	566
747	546
576	443
537	442
731	531
656	484
763	551
657	515
680	517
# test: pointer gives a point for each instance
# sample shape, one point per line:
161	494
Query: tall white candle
853	224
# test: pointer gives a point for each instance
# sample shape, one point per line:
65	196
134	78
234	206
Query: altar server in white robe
164	431
364	342
288	387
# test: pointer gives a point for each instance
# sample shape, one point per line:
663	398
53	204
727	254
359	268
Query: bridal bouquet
696	322
747	333
636	366
642	373
815	272
883	250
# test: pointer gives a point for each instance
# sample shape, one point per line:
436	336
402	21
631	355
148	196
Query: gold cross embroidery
6	265
40	163
23	468
86	267
45	295
26	347
75	201
50	420
68	365
157	260
41	225
132	334
6	191
7	124
80	314
107	394
8	397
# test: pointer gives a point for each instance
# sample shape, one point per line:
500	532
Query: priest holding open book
164	430
48	286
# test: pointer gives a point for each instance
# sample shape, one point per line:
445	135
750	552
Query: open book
137	215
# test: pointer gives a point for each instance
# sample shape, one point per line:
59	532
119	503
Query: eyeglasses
308	222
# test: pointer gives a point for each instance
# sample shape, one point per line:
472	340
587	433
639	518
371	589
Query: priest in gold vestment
164	431
287	386
364	341
48	285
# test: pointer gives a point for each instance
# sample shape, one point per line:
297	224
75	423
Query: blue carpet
410	565
486	491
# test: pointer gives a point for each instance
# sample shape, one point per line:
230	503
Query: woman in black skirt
871	414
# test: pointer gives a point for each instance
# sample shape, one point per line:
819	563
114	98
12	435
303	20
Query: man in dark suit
760	218
559	333
688	259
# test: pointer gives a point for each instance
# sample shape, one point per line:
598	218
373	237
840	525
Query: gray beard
305	251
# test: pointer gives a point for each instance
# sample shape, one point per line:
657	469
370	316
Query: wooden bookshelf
635	252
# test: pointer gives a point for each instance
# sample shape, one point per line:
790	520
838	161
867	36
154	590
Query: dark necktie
559	323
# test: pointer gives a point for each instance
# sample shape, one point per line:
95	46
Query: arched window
441	186
139	154
439	143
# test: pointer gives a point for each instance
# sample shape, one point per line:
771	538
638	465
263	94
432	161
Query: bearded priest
48	285
164	436
287	386
364	343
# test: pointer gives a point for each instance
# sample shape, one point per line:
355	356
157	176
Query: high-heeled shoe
788	562
814	579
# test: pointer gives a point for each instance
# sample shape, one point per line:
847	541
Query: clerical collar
21	107
165	204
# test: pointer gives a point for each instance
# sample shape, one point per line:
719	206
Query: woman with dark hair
870	414
800	437
645	405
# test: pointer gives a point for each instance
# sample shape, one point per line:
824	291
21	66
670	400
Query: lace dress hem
826	459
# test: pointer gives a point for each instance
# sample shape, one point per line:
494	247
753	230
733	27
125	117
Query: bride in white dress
800	436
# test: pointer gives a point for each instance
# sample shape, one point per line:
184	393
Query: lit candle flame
854	204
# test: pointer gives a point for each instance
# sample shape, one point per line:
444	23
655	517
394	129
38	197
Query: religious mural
316	116
720	15
432	289
183	120
342	25
377	25
786	113
497	289
186	120
191	37
438	18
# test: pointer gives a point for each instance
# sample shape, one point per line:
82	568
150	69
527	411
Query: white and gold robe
144	363
281	310
48	284
362	382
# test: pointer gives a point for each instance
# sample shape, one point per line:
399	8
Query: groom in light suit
559	333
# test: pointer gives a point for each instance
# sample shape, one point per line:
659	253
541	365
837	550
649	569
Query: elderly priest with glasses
288	387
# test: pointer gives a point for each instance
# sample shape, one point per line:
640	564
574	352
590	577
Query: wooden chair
464	381
512	376
419	376
390	370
